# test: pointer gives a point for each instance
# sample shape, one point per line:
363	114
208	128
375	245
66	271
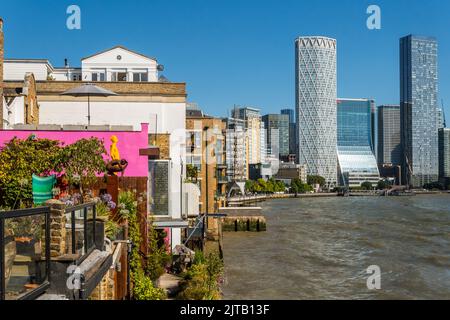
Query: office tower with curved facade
316	109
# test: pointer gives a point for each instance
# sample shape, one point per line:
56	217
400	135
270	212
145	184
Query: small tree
191	172
83	160
312	180
366	185
382	185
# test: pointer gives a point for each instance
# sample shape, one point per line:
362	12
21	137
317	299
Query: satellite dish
160	67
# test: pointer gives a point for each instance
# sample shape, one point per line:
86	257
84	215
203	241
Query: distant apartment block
292	135
236	150
205	151
444	156
389	137
277	130
419	112
255	133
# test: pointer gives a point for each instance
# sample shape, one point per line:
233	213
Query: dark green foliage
263	186
366	185
298	187
312	180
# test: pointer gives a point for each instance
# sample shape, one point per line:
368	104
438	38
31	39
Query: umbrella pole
89	111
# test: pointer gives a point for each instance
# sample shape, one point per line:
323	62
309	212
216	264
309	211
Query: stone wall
105	289
58	230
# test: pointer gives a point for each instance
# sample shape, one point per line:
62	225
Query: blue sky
236	51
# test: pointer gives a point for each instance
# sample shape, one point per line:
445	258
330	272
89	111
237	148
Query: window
98	76
119	76
159	187
140	77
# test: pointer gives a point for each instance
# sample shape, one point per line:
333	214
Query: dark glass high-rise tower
292	135
419	109
389	143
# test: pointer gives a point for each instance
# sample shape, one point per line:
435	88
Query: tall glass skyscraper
292	135
316	94
356	142
419	109
444	156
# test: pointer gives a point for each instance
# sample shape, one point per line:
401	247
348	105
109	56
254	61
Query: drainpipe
206	174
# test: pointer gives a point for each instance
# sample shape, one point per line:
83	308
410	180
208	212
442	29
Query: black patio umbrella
89	90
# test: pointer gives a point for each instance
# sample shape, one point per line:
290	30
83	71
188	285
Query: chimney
66	63
1	73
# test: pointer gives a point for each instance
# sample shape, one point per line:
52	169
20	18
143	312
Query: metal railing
199	227
24	253
81	221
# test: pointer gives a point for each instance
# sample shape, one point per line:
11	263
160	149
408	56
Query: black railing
24	253
81	222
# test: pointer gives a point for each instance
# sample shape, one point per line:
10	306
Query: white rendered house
140	99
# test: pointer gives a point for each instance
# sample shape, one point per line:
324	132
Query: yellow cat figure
114	152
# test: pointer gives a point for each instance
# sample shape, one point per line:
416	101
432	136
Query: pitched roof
116	47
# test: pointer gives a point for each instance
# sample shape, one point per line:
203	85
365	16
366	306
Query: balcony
41	249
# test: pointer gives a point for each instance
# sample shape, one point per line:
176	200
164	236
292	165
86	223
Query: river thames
321	249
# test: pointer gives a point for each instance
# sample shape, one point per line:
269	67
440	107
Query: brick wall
121	88
163	142
31	103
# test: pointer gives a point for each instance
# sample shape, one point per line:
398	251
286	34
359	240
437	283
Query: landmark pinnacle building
419	112
316	108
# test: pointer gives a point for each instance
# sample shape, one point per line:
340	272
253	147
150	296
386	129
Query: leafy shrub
143	288
366	185
202	279
312	180
298	187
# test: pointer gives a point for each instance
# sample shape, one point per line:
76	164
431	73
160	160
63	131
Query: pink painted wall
129	144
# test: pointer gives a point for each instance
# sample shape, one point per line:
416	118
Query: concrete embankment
243	219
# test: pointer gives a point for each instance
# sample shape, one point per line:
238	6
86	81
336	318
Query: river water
321	248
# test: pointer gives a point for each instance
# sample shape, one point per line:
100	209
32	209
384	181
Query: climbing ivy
143	287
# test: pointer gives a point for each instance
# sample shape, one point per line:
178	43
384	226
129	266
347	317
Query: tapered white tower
316	105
